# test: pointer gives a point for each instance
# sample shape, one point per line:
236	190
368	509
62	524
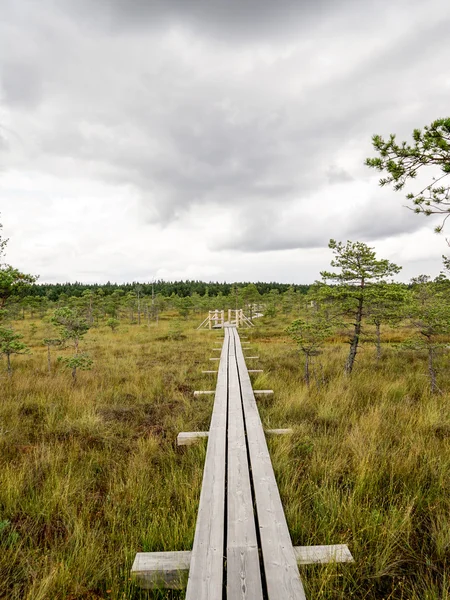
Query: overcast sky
212	139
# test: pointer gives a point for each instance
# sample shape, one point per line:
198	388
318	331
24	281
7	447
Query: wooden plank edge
186	438
161	570
310	555
279	431
157	570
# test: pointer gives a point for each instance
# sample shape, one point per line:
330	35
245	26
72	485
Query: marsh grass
90	473
368	465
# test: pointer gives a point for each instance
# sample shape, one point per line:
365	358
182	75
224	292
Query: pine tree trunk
432	371
378	340
307	378
355	339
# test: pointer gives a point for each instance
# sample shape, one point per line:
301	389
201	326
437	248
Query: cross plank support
170	570
187	438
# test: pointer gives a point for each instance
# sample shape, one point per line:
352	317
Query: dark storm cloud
230	20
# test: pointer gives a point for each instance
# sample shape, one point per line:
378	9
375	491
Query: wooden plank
251	357
209	371
204	392
154	570
207	561
243	568
215	358
280	565
279	431
187	438
308	555
263	392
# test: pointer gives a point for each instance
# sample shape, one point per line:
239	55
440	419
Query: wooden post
210	322
222	314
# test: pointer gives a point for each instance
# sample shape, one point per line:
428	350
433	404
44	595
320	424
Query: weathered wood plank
279	431
263	392
243	568
256	370
207	561
153	570
204	392
187	438
280	565
209	371
308	555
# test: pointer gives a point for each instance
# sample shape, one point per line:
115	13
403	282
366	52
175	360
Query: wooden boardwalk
242	547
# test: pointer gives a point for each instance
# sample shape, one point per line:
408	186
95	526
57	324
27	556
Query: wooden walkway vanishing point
242	547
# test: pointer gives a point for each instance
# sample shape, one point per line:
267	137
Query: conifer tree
359	270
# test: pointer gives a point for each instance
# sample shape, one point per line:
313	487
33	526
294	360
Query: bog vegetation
90	473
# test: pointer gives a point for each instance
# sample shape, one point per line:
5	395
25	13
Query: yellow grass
90	474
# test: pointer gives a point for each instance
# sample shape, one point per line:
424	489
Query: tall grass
90	473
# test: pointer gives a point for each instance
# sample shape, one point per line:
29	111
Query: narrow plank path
242	547
242	542
207	559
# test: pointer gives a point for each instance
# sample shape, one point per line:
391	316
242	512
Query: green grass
90	474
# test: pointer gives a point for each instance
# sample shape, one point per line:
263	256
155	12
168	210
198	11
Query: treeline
182	289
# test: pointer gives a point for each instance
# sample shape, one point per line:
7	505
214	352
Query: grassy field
90	474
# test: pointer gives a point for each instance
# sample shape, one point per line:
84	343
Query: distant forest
182	289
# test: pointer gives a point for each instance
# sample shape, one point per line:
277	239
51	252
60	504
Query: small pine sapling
49	342
113	323
431	321
71	325
10	344
79	361
309	335
386	305
73	328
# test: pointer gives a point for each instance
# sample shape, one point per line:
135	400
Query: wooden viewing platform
242	547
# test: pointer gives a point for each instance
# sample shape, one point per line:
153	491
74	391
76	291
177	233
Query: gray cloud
252	106
20	84
226	21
